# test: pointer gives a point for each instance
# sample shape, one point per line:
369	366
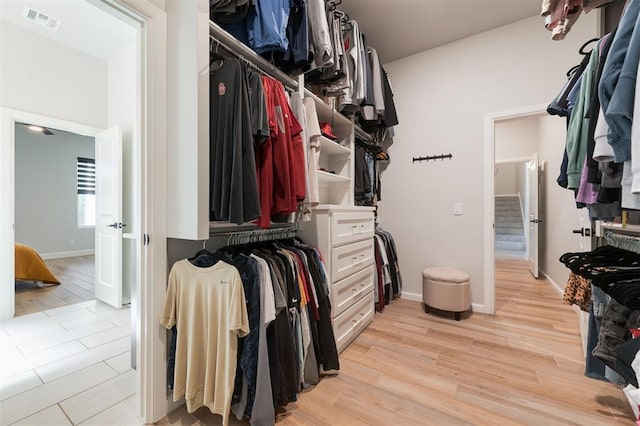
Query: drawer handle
354	321
354	229
354	289
362	314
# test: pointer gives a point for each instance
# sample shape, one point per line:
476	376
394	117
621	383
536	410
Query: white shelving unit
342	231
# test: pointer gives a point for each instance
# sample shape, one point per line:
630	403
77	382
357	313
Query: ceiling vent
41	19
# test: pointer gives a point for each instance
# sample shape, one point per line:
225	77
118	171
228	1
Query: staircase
510	239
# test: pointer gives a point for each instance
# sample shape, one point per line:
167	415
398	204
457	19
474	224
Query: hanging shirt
612	70
619	113
207	305
578	130
267	26
314	135
319	32
233	193
299	110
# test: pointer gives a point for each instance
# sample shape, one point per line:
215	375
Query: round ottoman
447	289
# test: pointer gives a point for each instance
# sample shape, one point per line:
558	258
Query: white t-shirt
208	307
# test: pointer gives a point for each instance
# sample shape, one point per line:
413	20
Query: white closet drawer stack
344	236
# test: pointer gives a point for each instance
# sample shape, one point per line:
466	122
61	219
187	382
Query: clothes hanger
581	50
204	258
215	58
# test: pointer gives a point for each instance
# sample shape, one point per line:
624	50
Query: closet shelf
332	178
326	113
329	147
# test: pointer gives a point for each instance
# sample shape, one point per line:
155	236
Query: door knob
585	232
116	225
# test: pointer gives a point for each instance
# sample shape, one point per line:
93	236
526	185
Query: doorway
22	100
520	135
54	217
93	68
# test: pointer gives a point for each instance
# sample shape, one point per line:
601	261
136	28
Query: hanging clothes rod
237	48
362	134
246	237
623	241
433	157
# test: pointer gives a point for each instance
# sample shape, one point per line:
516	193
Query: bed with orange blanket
31	267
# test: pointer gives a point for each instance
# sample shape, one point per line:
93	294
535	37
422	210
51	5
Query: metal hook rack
433	157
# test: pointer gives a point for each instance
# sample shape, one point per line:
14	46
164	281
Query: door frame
490	120
151	400
7	193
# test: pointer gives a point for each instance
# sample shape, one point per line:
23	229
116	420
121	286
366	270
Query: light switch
457	209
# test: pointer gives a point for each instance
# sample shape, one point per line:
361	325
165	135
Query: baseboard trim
62	254
555	286
583	317
479	308
414	297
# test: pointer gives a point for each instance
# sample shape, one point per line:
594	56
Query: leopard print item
577	292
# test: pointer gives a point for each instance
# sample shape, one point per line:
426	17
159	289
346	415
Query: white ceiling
396	28
84	27
399	28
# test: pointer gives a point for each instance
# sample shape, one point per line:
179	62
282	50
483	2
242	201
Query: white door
108	257
534	215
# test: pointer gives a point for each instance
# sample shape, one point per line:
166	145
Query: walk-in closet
346	212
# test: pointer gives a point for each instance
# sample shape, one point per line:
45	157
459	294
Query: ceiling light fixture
35	128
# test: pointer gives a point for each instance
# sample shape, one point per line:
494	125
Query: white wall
505	179
40	76
516	138
560	215
46	212
442	96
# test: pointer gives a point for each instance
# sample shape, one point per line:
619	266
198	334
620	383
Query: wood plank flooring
522	366
76	275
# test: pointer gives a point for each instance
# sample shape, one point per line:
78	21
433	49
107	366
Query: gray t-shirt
233	180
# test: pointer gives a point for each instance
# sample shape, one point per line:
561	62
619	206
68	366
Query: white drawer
350	324
347	227
351	258
346	292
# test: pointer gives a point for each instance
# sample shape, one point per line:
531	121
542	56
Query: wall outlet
457	209
71	241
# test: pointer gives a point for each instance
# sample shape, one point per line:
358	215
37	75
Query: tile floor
68	366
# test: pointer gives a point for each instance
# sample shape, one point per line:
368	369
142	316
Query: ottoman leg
457	316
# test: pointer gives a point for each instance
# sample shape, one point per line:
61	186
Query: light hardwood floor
522	366
76	275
